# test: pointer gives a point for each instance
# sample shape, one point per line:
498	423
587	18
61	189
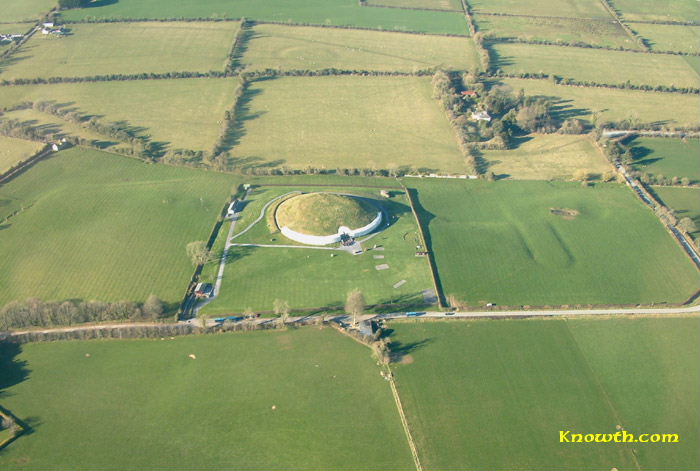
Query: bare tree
355	304
198	252
581	175
281	307
153	307
688	225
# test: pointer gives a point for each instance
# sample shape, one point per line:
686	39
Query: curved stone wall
333	238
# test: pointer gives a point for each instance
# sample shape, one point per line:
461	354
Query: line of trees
579	44
114	78
582	83
219	160
37	313
610	7
241	38
478	37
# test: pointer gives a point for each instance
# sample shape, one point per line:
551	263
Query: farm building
481	116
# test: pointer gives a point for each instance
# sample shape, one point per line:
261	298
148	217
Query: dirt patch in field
285	342
565	213
406	360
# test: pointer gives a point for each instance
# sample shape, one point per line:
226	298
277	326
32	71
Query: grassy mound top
324	213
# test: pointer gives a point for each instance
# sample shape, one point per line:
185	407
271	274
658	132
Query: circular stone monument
324	218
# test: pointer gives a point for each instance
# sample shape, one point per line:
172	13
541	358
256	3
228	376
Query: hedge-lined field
183	113
309	278
547	156
565	8
667	157
502	243
15	150
454	5
671	109
300	399
496	394
570	30
670	37
104	227
294	47
124	48
25	10
684	201
658	10
347	122
320	12
597	66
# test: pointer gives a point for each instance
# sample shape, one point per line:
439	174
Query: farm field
670	37
602	32
609	105
658	10
15	28
294	47
684	201
124	48
325	388
256	276
586	376
183	113
454	5
331	122
564	8
598	66
547	156
666	156
320	12
122	232
14	150
547	243
26	10
49	124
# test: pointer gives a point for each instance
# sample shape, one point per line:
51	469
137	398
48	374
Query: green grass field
658	10
596	32
684	201
501	243
184	113
670	37
294	47
347	122
14	150
598	66
565	8
453	5
25	10
109	48
15	28
309	278
320	12
613	105
122	230
495	394
547	156
332	408
668	157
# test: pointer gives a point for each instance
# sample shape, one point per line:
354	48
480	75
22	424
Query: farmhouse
481	116
467	93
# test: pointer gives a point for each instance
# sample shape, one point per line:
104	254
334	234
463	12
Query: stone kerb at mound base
333	238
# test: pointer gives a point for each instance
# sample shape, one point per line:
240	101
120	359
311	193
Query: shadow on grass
12	372
425	218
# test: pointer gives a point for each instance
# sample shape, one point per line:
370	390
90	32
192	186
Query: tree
355	304
281	307
198	252
688	225
153	307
